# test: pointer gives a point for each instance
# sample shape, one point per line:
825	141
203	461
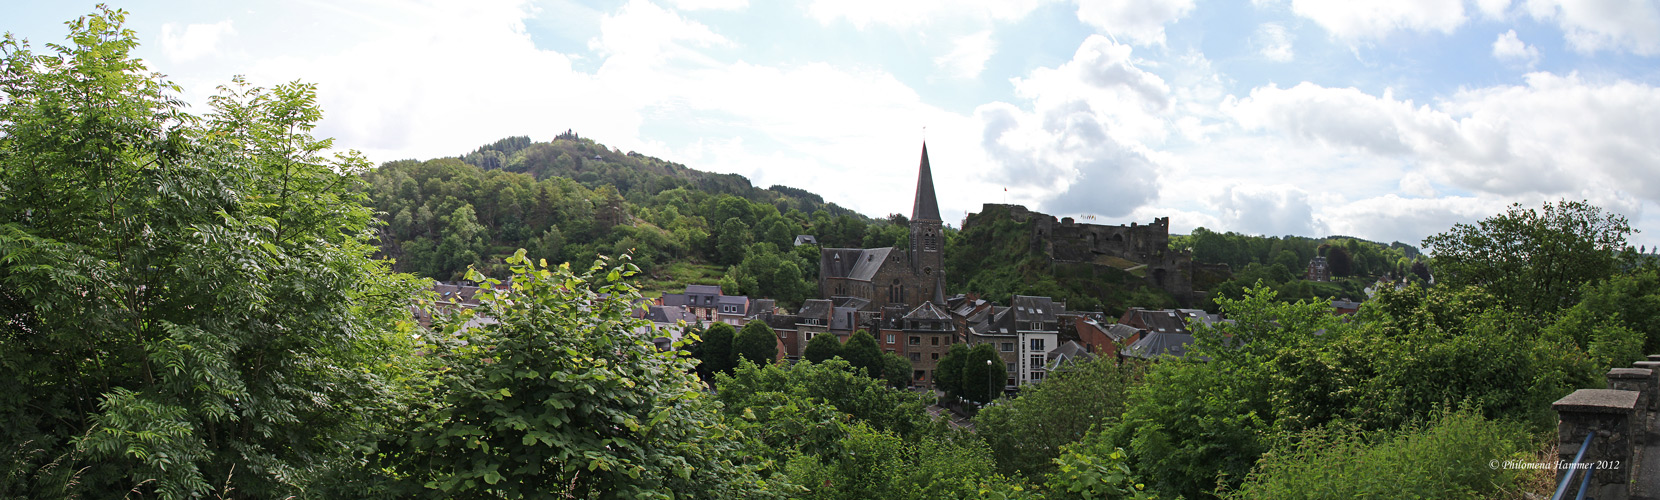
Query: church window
928	271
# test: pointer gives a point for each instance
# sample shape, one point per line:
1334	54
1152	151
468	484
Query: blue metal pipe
1585	484
1569	477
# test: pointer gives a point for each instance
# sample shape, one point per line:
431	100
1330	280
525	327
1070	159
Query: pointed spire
927	207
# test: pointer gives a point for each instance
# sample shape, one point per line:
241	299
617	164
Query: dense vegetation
192	308
1281	263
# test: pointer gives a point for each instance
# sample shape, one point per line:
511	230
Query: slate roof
668	314
927	208
853	263
781	321
816	308
741	301
1067	353
928	311
758	307
852	302
842	319
675	299
1157	344
1119	332
703	289
1162	320
1028	308
805	239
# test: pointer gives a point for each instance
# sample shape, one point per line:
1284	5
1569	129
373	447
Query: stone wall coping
1633	373
1654	357
1646	364
1597	401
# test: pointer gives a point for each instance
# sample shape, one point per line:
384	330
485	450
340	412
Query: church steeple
927	259
927	207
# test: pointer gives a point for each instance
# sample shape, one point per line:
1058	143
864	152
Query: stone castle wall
1066	240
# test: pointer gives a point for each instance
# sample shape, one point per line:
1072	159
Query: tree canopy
190	304
1534	260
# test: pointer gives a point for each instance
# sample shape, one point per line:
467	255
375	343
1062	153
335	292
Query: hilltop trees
189	301
1533	260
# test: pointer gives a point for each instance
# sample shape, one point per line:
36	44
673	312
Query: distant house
1104	339
1024	333
1068	354
927	331
1318	270
805	239
1345	306
707	304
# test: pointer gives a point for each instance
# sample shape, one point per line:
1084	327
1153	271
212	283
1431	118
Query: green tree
821	348
732	241
1535	260
984	374
948	373
717	350
757	343
896	370
559	397
833	382
191	301
1026	433
863	353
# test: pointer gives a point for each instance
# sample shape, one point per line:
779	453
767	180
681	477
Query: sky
1389	120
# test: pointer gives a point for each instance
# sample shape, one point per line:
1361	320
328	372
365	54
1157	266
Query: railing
1585	482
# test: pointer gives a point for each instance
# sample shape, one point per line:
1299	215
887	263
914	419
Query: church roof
927	207
928	311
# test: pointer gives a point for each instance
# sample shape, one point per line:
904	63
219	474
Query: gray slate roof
816	308
1157	344
853	263
1028	308
928	311
927	208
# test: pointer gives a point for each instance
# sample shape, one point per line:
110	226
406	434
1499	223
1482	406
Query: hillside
572	199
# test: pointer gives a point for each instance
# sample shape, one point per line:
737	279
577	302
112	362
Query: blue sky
1384	119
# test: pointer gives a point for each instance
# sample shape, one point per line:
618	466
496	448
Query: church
871	279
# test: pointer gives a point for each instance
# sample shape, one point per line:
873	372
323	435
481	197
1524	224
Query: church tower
927	242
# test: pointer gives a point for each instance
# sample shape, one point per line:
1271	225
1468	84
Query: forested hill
572	199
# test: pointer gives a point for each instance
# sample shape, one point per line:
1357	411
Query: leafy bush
560	397
1449	458
1026	433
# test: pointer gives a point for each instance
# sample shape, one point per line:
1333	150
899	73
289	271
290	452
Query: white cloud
1140	21
1081	148
642	29
193	41
1493	9
1274	42
1592	25
1375	19
1416	184
912	13
969	56
1267	210
1509	48
1555	136
710	4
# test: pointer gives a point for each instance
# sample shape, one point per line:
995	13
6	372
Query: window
919	375
1037	325
1037	345
915	340
1037	376
1008	347
916	356
934	356
890	338
1037	362
1011	368
935	340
